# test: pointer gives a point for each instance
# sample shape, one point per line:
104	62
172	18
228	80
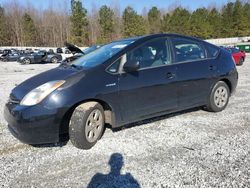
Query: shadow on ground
114	178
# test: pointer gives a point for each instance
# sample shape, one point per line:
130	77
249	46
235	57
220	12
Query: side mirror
131	66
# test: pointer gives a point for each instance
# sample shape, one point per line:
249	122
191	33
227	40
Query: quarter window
114	68
187	50
151	54
212	50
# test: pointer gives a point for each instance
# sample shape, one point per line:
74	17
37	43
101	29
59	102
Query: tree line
29	26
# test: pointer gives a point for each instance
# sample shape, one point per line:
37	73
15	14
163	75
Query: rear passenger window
212	50
187	50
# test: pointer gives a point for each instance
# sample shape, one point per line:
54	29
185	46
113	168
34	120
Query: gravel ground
188	149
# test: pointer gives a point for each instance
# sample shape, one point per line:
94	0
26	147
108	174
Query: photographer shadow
114	178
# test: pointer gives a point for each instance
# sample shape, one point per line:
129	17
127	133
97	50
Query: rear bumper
32	125
234	81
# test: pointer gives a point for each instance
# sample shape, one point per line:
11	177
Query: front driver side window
151	54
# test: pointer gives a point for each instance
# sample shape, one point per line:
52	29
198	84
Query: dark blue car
122	82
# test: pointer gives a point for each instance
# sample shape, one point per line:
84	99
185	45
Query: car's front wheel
219	97
86	125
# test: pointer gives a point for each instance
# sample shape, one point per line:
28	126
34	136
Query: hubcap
54	60
94	125
221	97
26	61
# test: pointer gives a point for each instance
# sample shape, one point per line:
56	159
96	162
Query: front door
150	90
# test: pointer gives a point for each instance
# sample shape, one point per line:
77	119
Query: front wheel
86	125
219	97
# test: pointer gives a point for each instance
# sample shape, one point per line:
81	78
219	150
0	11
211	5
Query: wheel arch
108	113
228	82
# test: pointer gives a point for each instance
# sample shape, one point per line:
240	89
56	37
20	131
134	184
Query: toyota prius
121	82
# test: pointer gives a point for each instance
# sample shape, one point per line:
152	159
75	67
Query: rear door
151	89
195	71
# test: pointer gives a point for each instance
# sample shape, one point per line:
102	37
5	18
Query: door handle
212	67
170	75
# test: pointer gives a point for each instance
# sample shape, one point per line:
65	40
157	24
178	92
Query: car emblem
110	85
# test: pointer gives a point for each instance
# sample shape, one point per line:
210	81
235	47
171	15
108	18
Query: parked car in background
40	57
10	55
122	82
51	51
29	50
77	52
67	51
59	50
238	55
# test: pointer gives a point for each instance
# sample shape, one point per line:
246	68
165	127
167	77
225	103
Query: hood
73	48
59	73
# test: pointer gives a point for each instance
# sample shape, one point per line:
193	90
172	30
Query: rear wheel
54	60
25	61
219	97
241	61
86	125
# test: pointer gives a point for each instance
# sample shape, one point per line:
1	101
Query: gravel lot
188	149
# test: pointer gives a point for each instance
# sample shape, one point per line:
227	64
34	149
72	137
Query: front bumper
33	125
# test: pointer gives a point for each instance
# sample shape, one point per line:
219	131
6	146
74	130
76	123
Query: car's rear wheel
86	125
219	97
54	60
241	61
25	61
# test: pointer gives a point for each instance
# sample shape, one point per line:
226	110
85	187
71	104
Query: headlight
38	94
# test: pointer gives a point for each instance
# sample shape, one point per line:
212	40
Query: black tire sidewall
241	61
211	103
77	126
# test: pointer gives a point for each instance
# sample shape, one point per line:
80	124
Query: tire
241	61
54	60
25	61
86	125
219	97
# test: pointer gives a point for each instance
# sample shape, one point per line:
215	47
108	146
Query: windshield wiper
75	66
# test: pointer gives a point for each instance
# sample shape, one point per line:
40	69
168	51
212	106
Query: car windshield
101	55
90	49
